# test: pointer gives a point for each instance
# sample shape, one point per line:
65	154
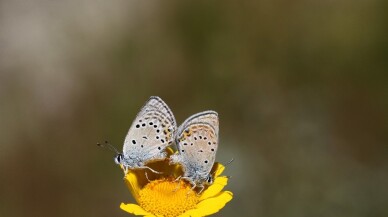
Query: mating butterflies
154	129
150	134
197	142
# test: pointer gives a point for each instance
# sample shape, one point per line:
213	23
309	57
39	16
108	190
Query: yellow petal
135	209
140	180
211	205
133	185
215	188
219	168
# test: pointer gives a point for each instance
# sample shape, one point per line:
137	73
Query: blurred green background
301	88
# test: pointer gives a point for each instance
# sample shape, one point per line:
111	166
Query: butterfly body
150	134
197	143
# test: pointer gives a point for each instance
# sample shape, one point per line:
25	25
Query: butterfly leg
178	178
202	187
192	188
177	187
152	170
191	182
179	183
146	175
125	170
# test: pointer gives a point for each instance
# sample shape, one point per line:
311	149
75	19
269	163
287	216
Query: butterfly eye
209	179
118	159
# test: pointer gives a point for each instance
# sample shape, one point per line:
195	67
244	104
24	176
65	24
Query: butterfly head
119	158
203	180
209	179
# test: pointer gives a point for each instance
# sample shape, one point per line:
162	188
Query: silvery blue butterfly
150	134
197	142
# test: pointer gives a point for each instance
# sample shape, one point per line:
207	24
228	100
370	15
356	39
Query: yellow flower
163	195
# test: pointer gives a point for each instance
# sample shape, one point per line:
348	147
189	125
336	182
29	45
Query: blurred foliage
300	86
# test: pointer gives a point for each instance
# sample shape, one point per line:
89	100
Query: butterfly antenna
229	162
109	146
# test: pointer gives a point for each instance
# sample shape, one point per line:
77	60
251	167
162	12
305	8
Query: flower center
167	198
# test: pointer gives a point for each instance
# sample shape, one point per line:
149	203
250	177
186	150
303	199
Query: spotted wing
151	131
197	142
209	117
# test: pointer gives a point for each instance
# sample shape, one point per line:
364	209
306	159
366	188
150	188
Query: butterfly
197	142
150	134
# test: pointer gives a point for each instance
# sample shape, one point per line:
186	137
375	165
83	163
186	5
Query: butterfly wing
197	142
209	117
151	131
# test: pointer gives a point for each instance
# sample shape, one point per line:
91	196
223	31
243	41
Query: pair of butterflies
155	128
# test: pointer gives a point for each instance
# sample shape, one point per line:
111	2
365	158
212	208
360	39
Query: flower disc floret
167	197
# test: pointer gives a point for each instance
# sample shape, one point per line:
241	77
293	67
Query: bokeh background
301	88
